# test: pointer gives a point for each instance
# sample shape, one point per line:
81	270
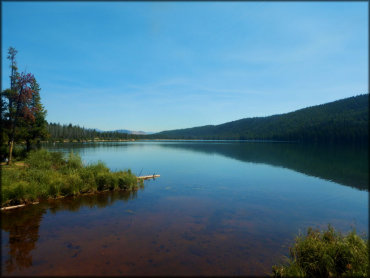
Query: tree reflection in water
345	164
23	228
23	224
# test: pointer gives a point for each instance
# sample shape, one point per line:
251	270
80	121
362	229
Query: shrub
40	159
57	159
126	180
19	152
104	181
326	254
74	161
19	190
75	182
38	177
112	182
88	180
97	168
66	189
53	190
15	193
122	183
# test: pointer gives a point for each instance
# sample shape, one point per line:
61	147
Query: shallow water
219	208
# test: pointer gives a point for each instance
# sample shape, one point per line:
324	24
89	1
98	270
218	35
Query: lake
218	208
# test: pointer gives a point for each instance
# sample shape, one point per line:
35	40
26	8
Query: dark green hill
344	120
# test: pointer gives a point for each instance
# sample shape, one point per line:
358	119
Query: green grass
51	175
326	254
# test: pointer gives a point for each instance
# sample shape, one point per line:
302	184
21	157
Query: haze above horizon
156	66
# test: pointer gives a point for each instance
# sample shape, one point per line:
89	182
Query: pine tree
11	96
23	116
34	127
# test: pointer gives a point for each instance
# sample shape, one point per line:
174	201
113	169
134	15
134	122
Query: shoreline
50	199
140	178
49	175
207	140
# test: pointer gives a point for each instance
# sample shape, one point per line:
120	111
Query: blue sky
156	66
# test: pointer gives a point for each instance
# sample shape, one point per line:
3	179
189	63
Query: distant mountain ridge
343	120
132	132
125	131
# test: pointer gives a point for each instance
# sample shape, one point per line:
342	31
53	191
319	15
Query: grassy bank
46	175
326	254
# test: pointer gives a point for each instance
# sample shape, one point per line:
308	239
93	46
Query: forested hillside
344	120
71	132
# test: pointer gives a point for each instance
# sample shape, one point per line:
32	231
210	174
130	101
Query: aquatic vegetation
326	254
51	175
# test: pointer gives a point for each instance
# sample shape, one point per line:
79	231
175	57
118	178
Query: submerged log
148	177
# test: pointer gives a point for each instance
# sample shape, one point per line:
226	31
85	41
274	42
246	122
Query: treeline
340	121
58	132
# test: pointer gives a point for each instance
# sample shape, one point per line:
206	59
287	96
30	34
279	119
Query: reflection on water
23	224
171	238
220	208
344	164
100	200
23	228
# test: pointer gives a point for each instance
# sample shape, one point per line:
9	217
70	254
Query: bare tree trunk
12	136
10	152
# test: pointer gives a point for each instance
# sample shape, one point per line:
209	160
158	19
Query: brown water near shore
173	239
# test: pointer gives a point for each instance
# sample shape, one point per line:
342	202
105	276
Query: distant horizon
156	66
149	132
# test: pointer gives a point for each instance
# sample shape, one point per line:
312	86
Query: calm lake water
218	208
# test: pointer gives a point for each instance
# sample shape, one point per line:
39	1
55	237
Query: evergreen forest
58	132
341	121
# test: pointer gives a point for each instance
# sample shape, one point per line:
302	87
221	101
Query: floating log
17	206
148	177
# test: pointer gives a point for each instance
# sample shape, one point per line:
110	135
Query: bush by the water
326	254
49	175
19	152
